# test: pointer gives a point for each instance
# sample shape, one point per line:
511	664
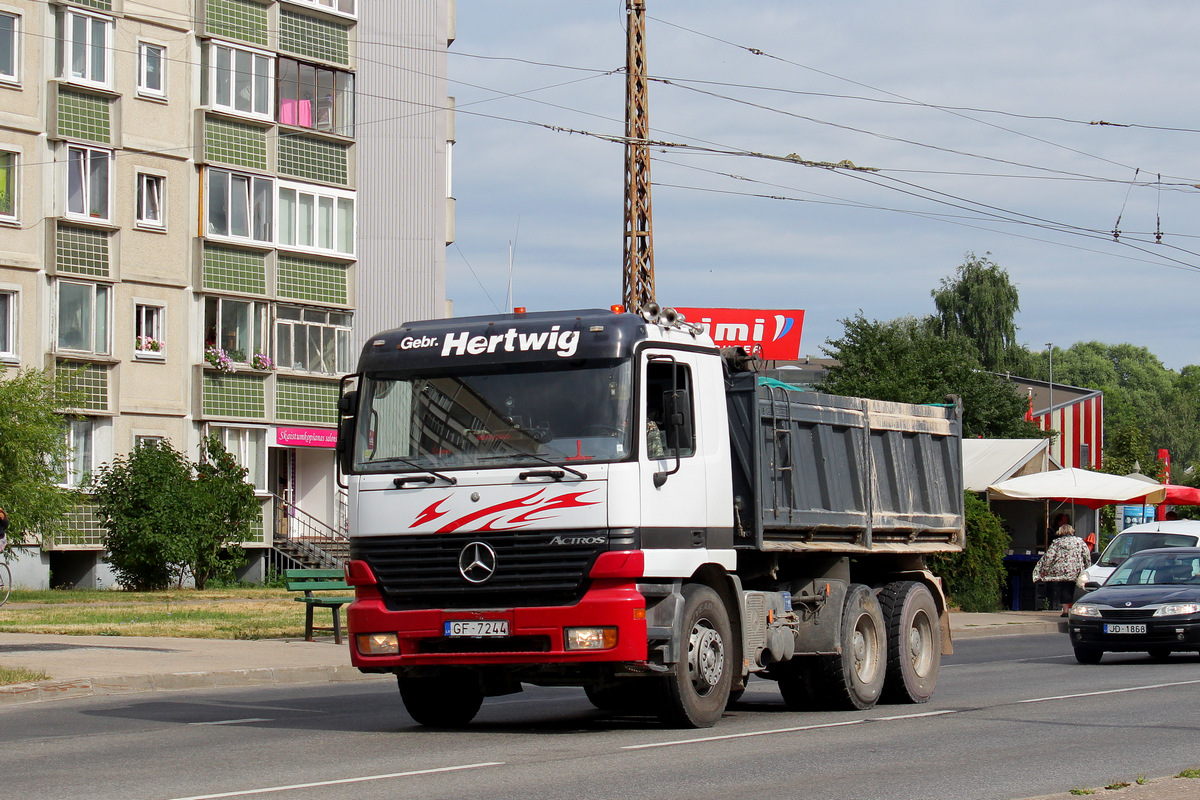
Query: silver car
1134	539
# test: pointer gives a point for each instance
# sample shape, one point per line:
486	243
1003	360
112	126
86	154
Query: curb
45	691
1010	629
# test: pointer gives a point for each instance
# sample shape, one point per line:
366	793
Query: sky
972	125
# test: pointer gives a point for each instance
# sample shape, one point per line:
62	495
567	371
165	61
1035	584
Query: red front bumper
422	639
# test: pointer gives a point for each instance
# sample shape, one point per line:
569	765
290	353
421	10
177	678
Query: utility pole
638	276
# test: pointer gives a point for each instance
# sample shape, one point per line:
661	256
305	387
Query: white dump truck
603	499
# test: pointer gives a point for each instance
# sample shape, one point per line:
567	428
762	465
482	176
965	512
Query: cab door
672	473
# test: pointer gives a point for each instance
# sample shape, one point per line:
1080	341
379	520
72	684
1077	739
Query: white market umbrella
1078	486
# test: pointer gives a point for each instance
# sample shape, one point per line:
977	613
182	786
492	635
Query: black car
1150	603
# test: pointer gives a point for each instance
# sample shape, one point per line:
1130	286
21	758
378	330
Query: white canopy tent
1077	486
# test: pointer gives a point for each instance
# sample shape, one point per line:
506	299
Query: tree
908	360
146	501
981	303
975	576
33	449
168	518
227	510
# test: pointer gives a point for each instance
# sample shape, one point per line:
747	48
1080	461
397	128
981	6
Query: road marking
914	716
702	739
232	721
1110	691
342	781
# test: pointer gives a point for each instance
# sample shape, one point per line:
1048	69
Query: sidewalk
79	666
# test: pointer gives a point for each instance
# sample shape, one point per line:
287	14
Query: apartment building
180	224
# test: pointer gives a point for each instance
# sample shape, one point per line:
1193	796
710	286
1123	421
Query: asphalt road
1013	717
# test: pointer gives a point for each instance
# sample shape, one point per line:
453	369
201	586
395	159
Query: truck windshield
569	413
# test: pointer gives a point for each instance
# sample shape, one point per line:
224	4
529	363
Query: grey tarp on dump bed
817	472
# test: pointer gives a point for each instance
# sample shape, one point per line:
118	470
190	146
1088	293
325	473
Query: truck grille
422	571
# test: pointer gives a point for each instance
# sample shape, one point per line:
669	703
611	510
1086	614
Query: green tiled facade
84	116
234	396
314	38
314	160
230	270
309	279
236	143
306	401
81	251
87	385
83	527
237	19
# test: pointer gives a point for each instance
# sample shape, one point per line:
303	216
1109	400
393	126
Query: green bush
974	577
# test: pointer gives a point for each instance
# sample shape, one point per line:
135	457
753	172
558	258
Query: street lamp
1050	348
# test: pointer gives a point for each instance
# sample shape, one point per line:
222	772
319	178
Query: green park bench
319	580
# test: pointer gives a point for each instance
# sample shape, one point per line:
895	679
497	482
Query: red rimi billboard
772	334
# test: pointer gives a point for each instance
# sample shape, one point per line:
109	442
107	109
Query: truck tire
696	694
914	642
450	700
854	679
1088	655
635	696
799	683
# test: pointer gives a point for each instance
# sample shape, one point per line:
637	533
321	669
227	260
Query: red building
1077	415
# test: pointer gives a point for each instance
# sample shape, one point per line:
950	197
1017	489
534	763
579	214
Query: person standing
3	530
1060	565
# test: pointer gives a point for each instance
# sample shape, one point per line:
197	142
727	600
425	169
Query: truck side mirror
679	431
347	405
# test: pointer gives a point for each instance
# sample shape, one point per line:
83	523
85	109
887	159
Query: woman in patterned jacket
1060	565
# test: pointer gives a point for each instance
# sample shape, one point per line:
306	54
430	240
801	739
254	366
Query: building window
83	317
238	80
80	439
150	196
341	6
239	206
10	55
88	182
316	218
248	446
8	326
236	326
83	46
140	441
316	97
312	340
8	185
152	63
148	330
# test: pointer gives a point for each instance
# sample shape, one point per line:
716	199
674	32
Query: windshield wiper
427	478
582	476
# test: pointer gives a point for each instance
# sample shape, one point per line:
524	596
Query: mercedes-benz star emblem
477	562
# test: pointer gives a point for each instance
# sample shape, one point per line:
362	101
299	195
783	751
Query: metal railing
305	539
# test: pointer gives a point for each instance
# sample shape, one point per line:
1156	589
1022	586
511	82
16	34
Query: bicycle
5	582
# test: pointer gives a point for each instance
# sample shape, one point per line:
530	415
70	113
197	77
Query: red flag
1029	412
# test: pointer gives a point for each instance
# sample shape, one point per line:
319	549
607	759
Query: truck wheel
1088	655
799	684
914	642
634	696
854	679
445	701
697	693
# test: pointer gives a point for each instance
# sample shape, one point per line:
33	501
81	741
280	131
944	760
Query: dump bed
818	472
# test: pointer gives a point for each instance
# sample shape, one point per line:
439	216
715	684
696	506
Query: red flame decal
535	503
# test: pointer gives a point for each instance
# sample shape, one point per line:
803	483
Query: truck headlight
1085	610
589	638
1177	609
378	644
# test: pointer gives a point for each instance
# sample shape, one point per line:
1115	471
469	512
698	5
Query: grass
240	613
11	675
